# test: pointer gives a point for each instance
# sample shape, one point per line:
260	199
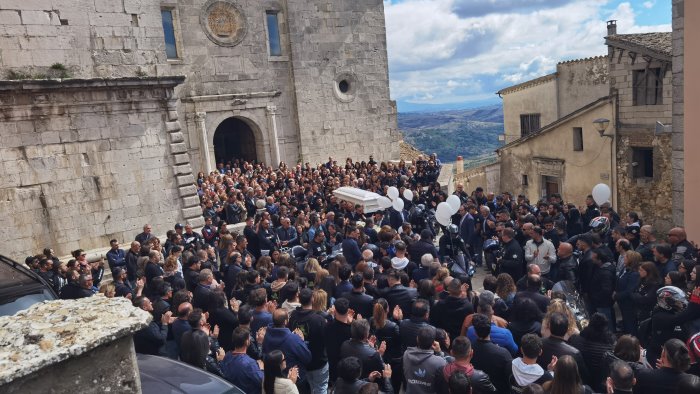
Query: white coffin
358	196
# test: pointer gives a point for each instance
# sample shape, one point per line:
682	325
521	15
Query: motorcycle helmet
491	245
671	298
600	225
421	207
453	229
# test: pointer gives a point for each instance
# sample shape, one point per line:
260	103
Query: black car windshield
12	277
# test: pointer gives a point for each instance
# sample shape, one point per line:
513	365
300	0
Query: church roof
654	44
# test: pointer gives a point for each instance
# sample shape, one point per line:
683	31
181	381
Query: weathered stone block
177	137
187	190
178	148
184	169
35	17
172	126
183	180
192	212
10	17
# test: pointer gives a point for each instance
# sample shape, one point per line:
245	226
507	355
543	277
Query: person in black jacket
223	313
532	291
312	324
489	357
418	319
449	313
594	342
512	259
422	246
337	332
132	266
398	294
567	262
150	339
360	302
361	347
674	361
387	331
603	281
202	293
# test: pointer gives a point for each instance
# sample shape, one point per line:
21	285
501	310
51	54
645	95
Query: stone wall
85	161
678	184
650	198
486	176
332	42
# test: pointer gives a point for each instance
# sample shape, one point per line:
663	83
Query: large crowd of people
315	295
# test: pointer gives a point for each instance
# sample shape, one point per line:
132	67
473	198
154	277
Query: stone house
632	88
109	107
552	145
640	78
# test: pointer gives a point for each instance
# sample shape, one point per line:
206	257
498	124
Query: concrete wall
580	82
540	98
85	161
651	199
551	154
677	154
486	176
690	86
334	41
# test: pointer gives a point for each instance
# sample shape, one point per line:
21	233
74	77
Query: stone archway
234	139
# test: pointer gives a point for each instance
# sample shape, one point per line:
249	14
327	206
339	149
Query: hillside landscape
471	133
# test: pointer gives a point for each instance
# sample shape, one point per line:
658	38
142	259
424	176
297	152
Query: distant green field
470	133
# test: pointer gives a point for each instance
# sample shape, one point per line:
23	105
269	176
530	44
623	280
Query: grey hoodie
421	369
525	374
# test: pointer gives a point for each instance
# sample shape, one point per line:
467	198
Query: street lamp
601	124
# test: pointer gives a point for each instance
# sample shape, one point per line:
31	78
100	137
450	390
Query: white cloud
438	55
649	4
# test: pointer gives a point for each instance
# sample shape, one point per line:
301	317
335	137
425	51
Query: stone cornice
27	85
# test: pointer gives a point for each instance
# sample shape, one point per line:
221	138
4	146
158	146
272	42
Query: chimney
612	27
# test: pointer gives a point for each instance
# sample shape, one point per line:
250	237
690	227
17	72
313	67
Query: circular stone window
223	22
345	87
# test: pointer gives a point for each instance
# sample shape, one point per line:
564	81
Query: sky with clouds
458	53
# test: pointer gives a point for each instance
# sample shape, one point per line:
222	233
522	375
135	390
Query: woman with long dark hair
274	381
566	380
594	341
644	297
525	318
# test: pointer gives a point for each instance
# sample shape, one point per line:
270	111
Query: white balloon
601	193
393	193
398	204
443	219
408	195
454	203
443	210
384	202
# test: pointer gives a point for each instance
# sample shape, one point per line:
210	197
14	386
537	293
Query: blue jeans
318	380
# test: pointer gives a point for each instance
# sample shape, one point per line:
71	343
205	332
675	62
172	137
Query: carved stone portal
223	22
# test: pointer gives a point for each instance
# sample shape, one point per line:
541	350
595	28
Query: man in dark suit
252	236
202	293
557	346
466	225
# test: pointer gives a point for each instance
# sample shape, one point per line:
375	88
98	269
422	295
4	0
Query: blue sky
458	53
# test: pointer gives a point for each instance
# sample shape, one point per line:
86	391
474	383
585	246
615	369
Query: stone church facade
110	107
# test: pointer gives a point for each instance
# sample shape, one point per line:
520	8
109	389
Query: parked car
21	288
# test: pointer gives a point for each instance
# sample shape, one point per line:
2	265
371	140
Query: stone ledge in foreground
51	332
